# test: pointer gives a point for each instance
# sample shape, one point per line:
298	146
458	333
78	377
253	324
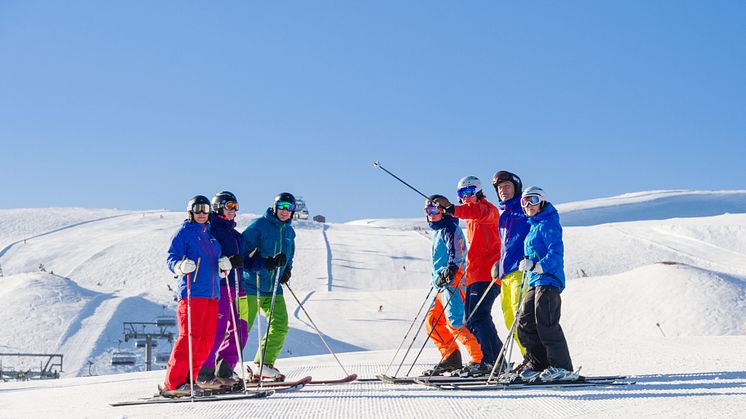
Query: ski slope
639	266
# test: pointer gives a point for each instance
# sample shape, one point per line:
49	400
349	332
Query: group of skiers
225	278
515	251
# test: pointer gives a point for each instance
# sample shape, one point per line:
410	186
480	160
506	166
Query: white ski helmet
470	181
533	195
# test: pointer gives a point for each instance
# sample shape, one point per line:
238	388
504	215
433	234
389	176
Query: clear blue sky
140	104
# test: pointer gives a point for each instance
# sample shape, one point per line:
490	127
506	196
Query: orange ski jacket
482	232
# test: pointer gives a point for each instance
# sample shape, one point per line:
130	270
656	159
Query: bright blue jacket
544	245
225	232
194	241
513	230
449	248
271	236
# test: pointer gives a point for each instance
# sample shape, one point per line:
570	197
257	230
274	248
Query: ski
532	385
441	379
350	378
281	384
200	398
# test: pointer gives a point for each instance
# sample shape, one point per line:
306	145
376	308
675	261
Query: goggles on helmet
467	191
283	205
432	210
201	208
231	205
530	200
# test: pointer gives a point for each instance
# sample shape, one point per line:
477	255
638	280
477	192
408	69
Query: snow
656	290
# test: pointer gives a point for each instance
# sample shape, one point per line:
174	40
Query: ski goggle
530	200
201	208
287	206
231	205
467	191
432	210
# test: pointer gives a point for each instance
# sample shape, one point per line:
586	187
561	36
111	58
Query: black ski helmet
505	176
220	199
195	202
284	197
431	201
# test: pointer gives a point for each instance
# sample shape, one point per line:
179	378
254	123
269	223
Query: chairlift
162	358
122	358
141	343
165	321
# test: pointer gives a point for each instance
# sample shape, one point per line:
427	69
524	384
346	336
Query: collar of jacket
196	226
219	221
514	204
447	219
547	213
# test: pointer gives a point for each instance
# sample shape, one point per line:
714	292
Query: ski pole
414	338
409	330
259	326
189	328
317	329
378	166
508	347
269	321
450	297
233	319
466	322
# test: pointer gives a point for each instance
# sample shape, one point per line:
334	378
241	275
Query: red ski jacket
482	231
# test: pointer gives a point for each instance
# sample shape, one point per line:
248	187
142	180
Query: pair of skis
252	391
476	383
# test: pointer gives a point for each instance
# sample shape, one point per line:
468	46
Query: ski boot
475	370
227	376
558	374
269	373
181	391
206	380
450	364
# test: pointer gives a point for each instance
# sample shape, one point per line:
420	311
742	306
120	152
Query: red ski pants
204	321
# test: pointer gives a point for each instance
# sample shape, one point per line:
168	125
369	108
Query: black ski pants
540	332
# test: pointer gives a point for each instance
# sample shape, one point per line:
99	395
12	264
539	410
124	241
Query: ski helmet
223	200
533	195
504	176
198	203
285	198
469	185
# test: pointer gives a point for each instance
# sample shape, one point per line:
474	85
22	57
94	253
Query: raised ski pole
189	328
378	166
317	329
409	348
466	322
235	324
269	321
450	297
409	330
508	347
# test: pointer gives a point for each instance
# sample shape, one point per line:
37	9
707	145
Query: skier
513	229
448	249
547	356
482	220
217	372
194	256
273	235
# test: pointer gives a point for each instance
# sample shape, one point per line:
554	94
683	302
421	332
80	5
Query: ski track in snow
330	280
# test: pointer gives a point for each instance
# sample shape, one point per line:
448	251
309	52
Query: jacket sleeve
454	246
481	213
249	242
291	251
553	261
177	250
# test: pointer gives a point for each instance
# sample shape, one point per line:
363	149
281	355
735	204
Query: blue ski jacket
229	238
513	230
195	241
271	236
544	245
449	248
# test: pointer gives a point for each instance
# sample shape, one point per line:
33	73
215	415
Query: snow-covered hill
638	270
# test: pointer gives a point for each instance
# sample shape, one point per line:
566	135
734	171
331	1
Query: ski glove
225	264
274	262
446	277
531	266
446	205
285	276
184	267
236	261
